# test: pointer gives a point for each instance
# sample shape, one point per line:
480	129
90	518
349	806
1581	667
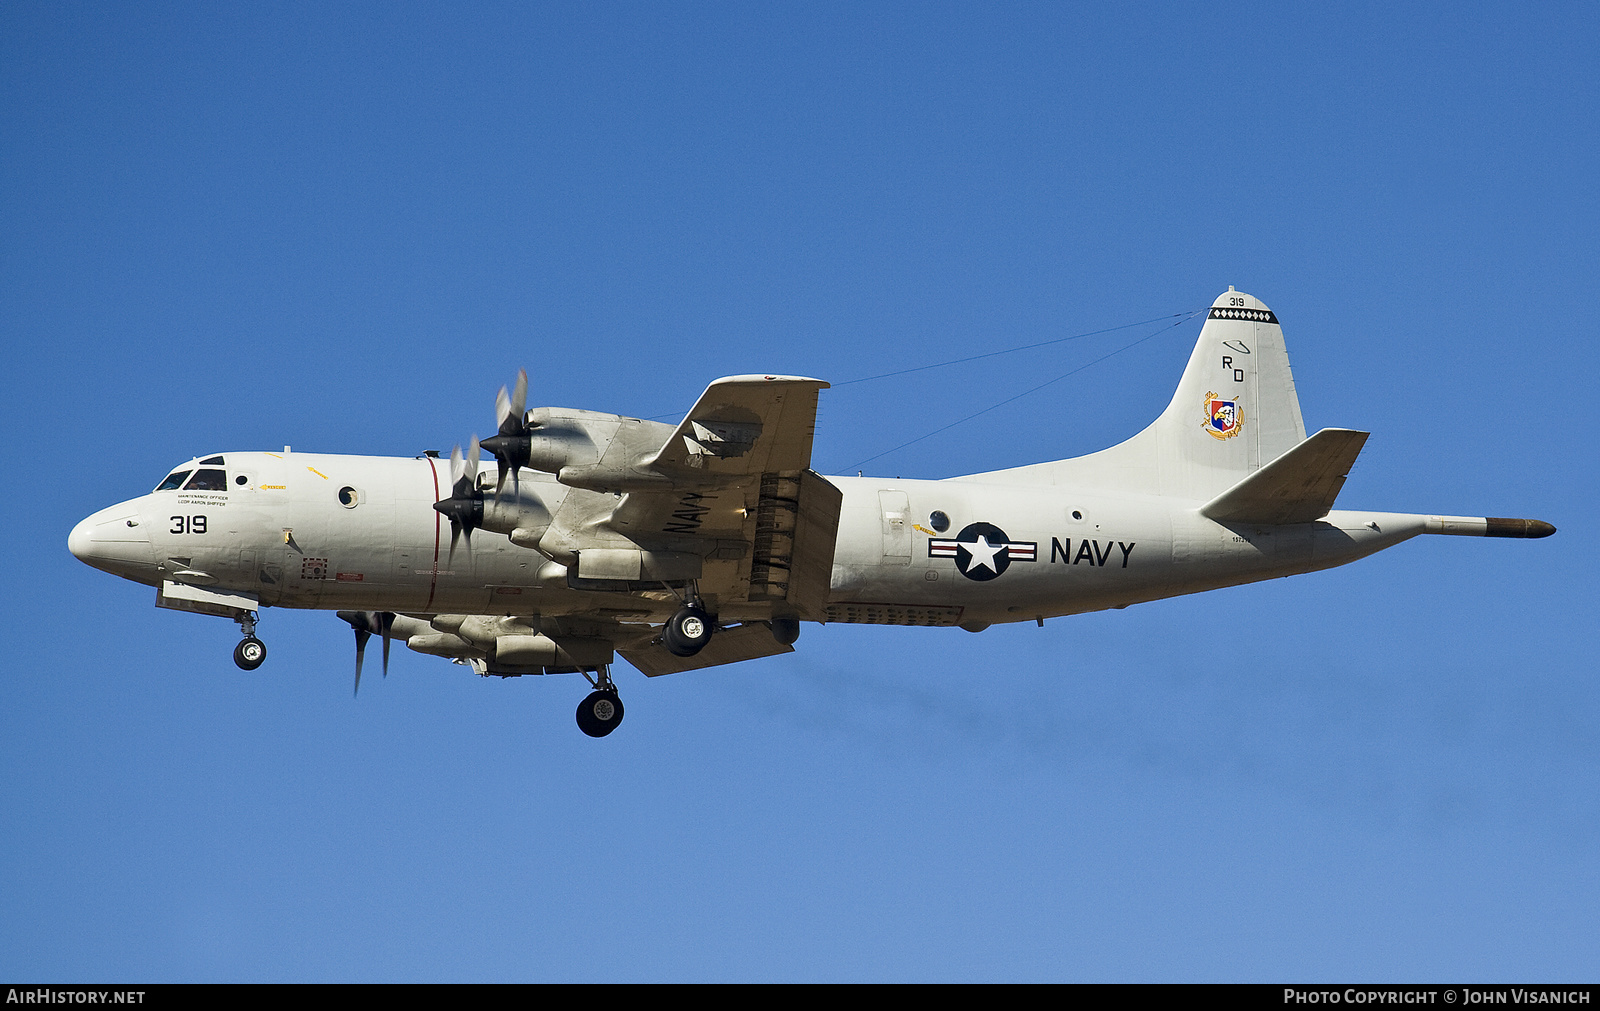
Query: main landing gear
251	652
688	630
601	712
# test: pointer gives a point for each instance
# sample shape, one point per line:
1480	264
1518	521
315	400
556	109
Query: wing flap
1297	487
797	524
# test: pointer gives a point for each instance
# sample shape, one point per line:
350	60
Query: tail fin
1235	411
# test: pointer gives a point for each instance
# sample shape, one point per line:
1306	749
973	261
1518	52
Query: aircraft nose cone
115	541
79	542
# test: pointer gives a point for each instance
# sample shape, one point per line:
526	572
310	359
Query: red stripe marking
438	517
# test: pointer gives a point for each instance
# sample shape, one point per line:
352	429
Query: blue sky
343	227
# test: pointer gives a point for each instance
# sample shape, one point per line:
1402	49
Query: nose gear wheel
251	652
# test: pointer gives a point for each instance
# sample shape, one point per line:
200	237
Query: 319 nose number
188	525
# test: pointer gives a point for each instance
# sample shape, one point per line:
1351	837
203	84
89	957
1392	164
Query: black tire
600	713
250	653
687	632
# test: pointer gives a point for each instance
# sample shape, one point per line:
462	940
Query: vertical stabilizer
1235	411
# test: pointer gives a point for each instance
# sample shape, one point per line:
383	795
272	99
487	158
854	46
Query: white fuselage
329	532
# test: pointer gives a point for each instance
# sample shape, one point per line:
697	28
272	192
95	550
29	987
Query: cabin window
208	480
174	480
939	521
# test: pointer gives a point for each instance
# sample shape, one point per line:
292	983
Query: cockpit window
208	480
174	480
217	460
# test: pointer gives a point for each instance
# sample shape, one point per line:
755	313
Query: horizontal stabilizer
1297	487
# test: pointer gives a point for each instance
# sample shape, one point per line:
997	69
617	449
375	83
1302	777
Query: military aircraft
709	542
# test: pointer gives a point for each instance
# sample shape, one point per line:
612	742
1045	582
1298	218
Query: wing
742	426
740	498
749	641
514	646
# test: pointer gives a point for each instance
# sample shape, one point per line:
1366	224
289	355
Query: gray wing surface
749	641
744	426
742	496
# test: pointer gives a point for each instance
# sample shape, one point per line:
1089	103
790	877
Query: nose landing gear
251	652
601	712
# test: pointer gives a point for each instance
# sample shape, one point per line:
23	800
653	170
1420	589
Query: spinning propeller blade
465	504
510	443
509	410
362	635
365	624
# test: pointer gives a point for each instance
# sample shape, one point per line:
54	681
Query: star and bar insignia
982	551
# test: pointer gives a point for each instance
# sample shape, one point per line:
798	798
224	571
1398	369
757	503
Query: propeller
366	624
511	445
464	507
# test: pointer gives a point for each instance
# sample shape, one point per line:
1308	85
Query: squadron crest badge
1224	418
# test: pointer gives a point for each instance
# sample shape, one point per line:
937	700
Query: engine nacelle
567	438
512	643
543	651
585	449
504	514
635	564
443	644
